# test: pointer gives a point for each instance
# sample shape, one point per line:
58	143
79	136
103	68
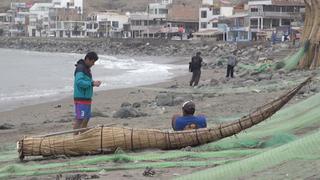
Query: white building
158	9
39	19
270	14
209	15
75	4
106	24
5	19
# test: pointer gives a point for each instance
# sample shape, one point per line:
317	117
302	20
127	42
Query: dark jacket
195	64
83	83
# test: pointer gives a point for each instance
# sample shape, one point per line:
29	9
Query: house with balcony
209	18
69	4
5	20
236	27
266	15
70	29
184	15
143	24
60	16
19	13
39	20
106	24
158	9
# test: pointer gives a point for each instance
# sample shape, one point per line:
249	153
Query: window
163	11
275	23
115	24
214	25
95	25
254	23
286	21
203	14
215	11
243	35
254	9
290	9
203	25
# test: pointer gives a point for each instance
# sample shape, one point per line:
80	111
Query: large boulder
164	99
6	126
127	112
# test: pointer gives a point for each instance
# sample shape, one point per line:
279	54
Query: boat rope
101	139
168	140
131	139
197	136
220	130
241	128
40	149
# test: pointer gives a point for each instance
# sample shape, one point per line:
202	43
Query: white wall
209	17
63	4
122	19
226	11
210	2
266	2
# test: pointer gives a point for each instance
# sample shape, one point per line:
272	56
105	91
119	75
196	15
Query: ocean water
28	77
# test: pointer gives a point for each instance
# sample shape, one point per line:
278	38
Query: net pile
102	139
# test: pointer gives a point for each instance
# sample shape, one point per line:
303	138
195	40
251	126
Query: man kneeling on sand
188	120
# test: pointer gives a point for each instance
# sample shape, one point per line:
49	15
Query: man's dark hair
198	53
92	56
189	108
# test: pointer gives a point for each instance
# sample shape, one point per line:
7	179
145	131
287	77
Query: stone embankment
215	52
130	47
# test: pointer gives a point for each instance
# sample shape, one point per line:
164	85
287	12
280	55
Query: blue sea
29	77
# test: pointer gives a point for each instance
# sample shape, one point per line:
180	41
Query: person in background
83	90
232	62
195	68
188	120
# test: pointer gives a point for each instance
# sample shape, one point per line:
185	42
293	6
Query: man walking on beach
232	61
83	90
195	68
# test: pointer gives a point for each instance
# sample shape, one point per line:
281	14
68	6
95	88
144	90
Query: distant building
69	4
158	9
210	14
19	13
267	15
66	23
5	19
237	27
39	19
184	15
106	24
146	25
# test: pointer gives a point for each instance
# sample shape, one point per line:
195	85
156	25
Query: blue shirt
183	121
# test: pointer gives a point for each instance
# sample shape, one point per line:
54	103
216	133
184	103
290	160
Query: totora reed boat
106	139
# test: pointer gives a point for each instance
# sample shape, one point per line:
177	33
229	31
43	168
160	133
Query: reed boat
106	139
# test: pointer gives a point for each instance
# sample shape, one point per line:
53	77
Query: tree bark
311	36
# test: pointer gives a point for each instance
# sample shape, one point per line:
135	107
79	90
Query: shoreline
169	62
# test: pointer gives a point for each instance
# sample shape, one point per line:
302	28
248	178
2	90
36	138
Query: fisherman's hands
96	83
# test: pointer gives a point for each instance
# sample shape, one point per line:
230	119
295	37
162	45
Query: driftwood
100	140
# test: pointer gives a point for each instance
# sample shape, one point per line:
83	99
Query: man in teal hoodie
83	90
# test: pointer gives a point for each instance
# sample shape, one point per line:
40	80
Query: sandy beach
216	96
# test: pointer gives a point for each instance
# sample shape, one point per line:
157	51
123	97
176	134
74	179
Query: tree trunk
311	36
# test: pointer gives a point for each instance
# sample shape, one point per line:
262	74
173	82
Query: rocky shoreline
131	47
214	51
